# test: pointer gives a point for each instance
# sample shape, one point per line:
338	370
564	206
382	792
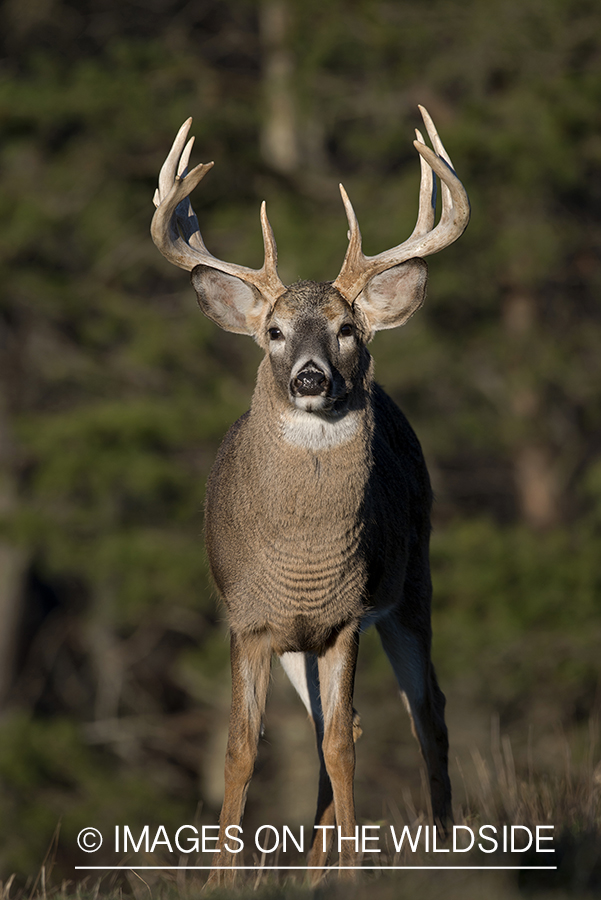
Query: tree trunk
13	563
279	144
535	471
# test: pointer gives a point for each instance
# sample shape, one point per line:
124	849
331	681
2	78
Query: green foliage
50	776
523	606
527	578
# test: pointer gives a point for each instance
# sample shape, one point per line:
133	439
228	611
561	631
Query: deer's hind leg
251	665
407	645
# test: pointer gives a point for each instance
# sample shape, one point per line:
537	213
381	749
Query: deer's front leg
251	663
336	678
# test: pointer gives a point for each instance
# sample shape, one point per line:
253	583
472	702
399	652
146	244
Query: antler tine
439	148
354	258
269	244
175	228
433	135
455	203
184	214
357	269
427	196
182	166
169	167
354	235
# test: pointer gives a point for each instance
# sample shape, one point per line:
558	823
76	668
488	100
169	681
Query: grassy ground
498	791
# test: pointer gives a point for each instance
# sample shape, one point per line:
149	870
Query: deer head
313	334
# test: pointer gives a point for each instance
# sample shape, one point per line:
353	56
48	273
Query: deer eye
275	334
346	330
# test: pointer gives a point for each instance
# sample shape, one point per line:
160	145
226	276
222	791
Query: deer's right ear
230	302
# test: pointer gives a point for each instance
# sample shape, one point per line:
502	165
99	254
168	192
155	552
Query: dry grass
499	794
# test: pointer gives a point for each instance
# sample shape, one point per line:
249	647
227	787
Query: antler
175	230
357	269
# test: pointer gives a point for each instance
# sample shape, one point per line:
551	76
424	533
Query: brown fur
318	519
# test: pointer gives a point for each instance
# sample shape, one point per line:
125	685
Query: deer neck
308	467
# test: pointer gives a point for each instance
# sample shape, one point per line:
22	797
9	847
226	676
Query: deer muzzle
311	381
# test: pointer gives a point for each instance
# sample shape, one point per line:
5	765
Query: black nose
309	382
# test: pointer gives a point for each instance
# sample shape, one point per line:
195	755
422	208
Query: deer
318	506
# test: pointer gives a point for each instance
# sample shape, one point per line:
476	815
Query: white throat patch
315	432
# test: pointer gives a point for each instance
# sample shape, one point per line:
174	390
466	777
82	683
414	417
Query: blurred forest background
115	391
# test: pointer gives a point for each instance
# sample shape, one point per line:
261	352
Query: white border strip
310	868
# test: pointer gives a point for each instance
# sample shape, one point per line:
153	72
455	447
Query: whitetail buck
318	506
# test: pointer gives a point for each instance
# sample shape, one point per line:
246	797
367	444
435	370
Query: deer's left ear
390	298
